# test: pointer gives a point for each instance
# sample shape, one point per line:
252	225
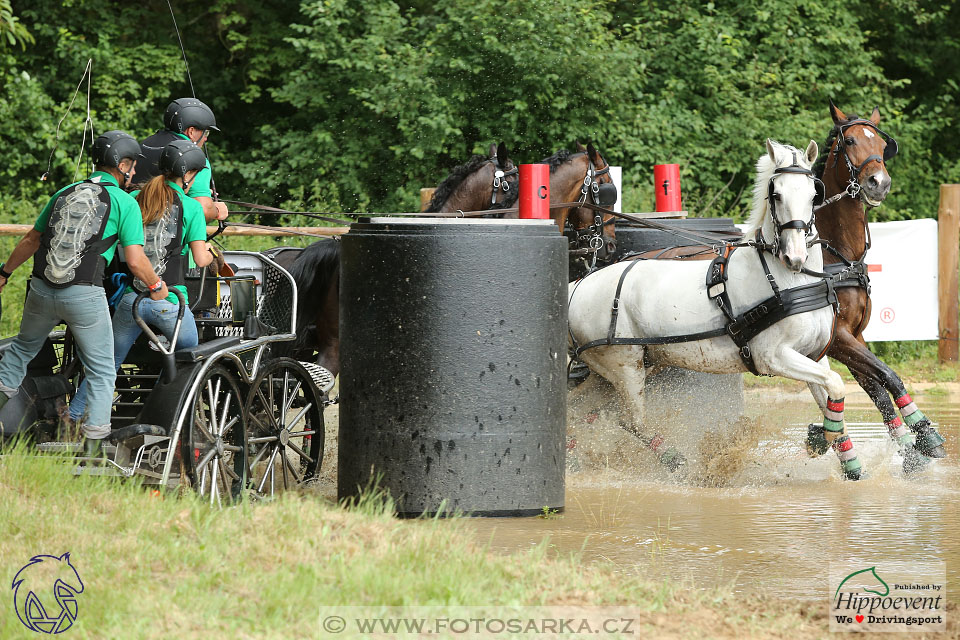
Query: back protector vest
148	166
71	245
163	244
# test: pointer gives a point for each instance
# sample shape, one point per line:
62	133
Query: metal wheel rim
216	449
285	421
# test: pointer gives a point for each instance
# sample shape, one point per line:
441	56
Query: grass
165	566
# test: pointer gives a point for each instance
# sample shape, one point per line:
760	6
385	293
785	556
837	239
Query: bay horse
479	184
667	315
584	176
853	170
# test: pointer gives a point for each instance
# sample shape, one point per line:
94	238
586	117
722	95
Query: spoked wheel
284	414
215	448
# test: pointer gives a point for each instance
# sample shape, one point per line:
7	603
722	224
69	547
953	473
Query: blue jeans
83	309
160	314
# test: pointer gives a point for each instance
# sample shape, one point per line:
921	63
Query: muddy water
753	511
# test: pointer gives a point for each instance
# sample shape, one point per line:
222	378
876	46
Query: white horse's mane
765	168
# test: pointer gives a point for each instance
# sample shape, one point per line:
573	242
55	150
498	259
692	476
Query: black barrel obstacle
453	351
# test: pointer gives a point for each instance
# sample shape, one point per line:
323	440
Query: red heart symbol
859	618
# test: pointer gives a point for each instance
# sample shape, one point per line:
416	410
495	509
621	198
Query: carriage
233	414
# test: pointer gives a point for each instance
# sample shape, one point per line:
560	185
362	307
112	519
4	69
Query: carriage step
322	378
70	447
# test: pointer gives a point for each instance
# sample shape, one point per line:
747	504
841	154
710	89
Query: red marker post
535	191
666	183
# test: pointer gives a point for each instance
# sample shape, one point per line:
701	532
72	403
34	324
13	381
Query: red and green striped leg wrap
834	432
670	457
929	441
908	409
899	432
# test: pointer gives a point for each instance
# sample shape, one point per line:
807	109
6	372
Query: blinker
607	194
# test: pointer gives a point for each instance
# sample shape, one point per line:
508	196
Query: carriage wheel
284	414
215	446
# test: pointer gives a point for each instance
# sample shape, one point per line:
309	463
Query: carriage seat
205	349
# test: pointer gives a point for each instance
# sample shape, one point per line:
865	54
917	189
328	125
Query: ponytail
155	198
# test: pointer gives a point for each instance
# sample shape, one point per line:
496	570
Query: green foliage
334	105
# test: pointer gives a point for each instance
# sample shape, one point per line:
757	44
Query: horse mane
452	181
314	272
821	164
562	156
765	169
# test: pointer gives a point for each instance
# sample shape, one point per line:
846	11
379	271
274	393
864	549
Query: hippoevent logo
889	597
45	594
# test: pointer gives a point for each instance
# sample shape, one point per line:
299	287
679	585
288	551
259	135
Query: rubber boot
929	441
817	444
93	448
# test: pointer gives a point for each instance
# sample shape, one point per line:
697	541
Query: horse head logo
41	576
871	570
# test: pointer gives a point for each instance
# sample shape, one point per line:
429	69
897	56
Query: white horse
668	298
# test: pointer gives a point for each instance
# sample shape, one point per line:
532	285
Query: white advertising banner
903	275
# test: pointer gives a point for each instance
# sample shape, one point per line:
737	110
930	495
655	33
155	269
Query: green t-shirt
194	228
200	187
124	219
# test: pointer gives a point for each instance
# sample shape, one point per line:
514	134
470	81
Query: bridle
500	182
591	237
772	198
853	188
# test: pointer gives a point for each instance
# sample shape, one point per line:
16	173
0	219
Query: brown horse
481	183
584	176
854	173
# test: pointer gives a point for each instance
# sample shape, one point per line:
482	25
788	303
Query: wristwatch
3	272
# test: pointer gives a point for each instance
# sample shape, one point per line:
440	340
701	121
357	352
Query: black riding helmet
181	156
112	147
188	112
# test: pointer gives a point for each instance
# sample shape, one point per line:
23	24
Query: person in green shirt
173	226
74	237
185	119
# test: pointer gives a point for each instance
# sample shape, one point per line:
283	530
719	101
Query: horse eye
776	196
850	141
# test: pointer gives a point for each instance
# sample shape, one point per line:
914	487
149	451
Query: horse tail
315	270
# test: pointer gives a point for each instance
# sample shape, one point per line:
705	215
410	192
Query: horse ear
771	151
812	153
580	147
592	153
875	116
837	115
503	156
493	149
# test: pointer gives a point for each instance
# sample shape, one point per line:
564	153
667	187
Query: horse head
785	194
584	176
481	183
858	152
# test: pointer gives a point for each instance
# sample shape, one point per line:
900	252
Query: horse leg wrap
898	432
670	457
929	441
835	434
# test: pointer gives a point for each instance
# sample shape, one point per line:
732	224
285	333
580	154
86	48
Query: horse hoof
929	441
914	461
672	460
817	444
